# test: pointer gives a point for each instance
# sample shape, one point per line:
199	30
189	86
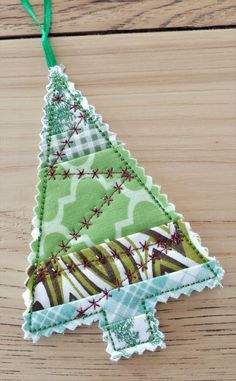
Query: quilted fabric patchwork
127	260
107	244
128	303
79	140
109	202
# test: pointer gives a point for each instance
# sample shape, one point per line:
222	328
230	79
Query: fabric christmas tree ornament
107	244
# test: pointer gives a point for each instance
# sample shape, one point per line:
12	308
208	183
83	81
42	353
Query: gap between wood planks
123	31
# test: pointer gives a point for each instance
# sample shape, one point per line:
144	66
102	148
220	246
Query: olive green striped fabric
114	264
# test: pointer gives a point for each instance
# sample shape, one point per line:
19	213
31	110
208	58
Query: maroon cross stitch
142	266
85	222
75	129
59	155
106	293
97	211
80	173
52	172
64	246
160	242
176	238
71	267
109	172
126	174
57	272
54	258
82	117
94	303
74	234
95	173
107	200
86	263
154	256
102	259
165	247
66	142
66	174
129	275
58	98
118	283
80	312
74	107
144	245
130	250
114	254
118	187
42	274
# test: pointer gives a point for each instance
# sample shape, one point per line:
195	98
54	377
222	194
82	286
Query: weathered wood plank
99	16
171	97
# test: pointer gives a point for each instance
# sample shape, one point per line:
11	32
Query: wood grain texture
82	16
171	98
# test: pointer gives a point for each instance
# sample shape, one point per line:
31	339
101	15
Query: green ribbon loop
45	27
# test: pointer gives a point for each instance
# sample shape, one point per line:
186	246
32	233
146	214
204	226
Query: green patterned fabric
70	126
131	259
102	232
77	142
100	197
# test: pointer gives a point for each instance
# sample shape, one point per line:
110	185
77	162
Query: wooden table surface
171	97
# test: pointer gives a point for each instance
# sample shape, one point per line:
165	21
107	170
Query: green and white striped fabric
127	260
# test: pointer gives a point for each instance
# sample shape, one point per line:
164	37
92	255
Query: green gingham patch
74	143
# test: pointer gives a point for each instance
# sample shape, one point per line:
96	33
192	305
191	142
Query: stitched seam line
148	297
108	330
53	149
95	119
127	163
42	205
61	150
92	216
109	258
138	179
119	285
88	174
45	182
148	320
151	337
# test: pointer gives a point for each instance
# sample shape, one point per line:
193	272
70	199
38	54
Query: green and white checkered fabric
71	145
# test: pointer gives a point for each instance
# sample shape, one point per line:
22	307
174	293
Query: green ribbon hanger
45	27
